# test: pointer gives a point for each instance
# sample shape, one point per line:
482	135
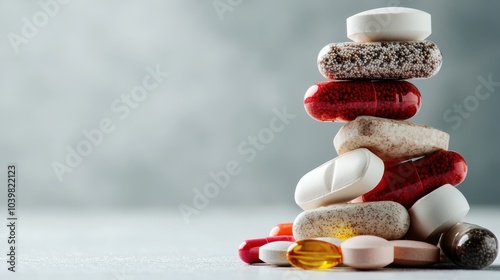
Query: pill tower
390	196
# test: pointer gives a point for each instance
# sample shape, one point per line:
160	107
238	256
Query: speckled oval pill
386	219
275	253
340	179
379	60
389	24
469	246
411	253
435	213
390	140
367	252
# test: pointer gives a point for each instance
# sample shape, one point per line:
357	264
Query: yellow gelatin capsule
314	254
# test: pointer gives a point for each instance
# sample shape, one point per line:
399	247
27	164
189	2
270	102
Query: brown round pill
411	253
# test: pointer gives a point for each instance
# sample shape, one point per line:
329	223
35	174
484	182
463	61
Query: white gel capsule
389	24
340	180
275	253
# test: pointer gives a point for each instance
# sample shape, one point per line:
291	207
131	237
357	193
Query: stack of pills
389	198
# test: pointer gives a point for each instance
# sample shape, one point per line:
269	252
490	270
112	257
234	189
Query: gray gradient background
226	78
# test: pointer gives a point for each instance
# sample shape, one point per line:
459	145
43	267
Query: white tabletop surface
158	244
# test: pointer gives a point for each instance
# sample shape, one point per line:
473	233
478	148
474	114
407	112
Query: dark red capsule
409	181
249	249
343	101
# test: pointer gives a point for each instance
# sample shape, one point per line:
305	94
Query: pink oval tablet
367	252
411	253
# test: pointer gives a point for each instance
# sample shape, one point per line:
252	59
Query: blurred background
67	66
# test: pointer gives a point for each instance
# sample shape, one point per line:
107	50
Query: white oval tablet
340	179
275	253
367	252
389	24
435	213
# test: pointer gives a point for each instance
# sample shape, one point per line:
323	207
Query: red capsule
249	249
343	101
409	181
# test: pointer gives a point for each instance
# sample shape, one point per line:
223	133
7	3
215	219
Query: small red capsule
249	249
282	229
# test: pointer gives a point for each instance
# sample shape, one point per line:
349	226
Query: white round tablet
275	253
389	24
435	213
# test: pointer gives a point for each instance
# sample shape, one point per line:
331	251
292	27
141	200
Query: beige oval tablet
367	252
390	140
386	219
411	253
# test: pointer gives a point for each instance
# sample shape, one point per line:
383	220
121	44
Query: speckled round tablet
470	246
275	253
386	219
390	140
379	60
411	253
389	24
435	213
367	252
